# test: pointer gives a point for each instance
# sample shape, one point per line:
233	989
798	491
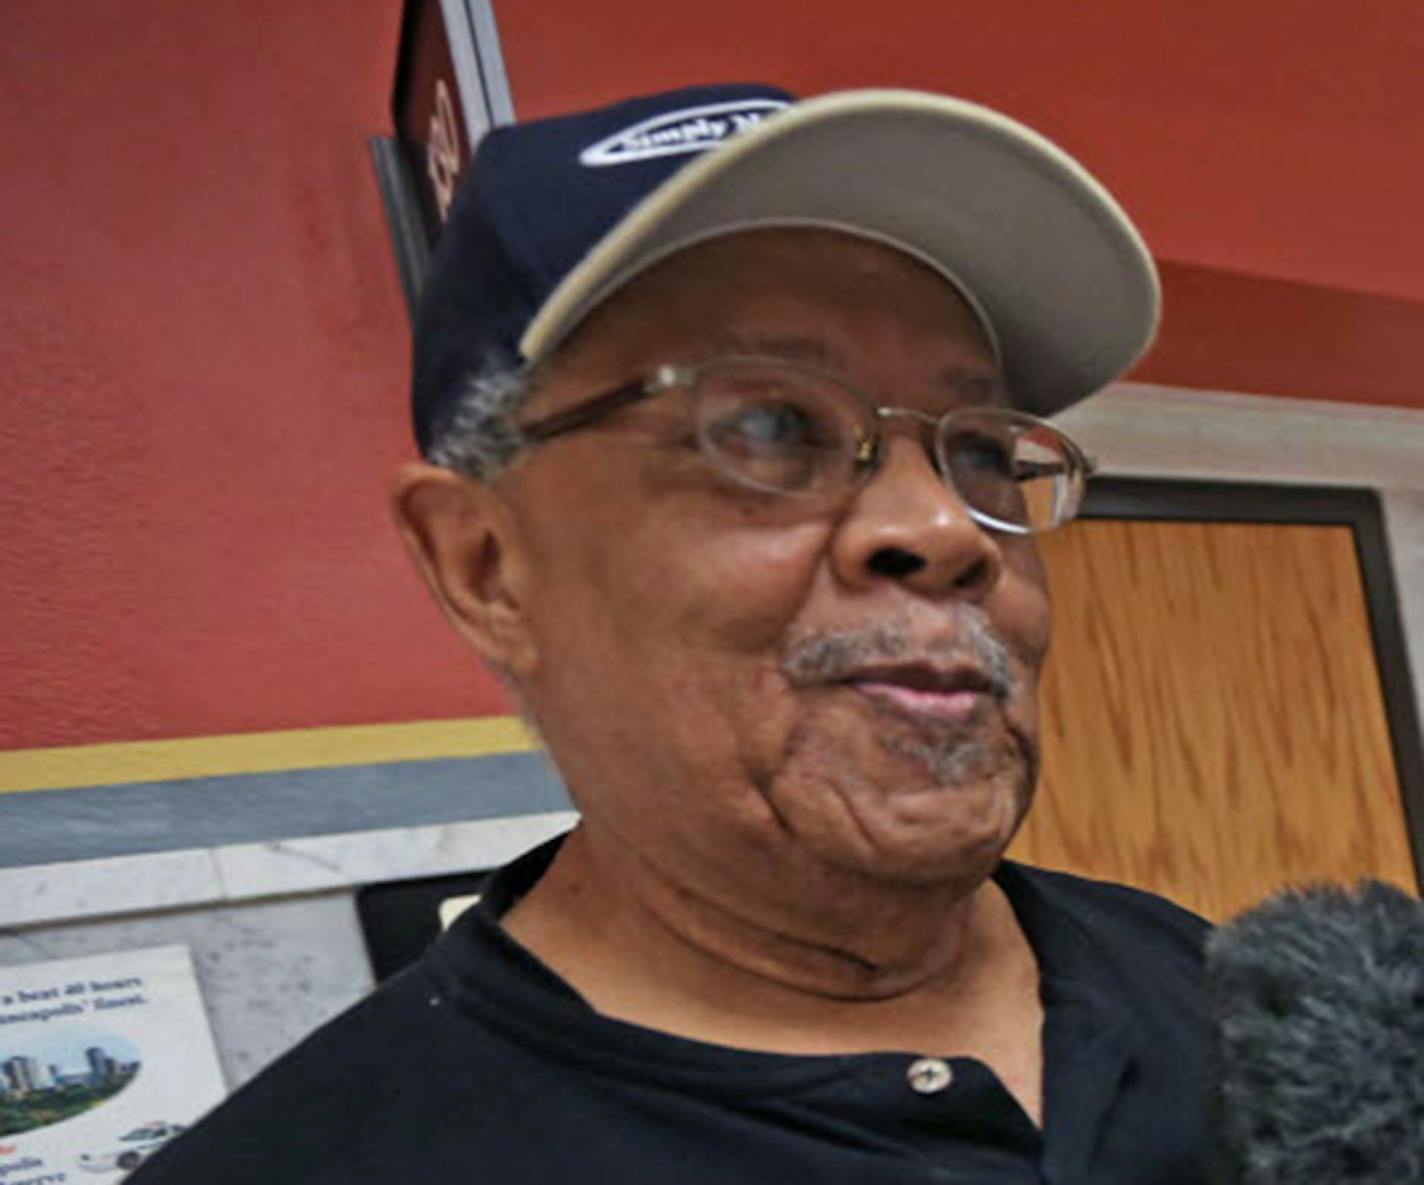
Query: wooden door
1214	726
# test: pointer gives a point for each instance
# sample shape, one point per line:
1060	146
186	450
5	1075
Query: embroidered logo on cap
693	129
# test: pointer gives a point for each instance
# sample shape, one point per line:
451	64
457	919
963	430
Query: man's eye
985	455
773	444
768	425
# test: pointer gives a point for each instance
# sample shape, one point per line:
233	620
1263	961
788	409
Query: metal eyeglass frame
868	451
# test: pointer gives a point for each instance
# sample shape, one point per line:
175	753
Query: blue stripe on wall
123	820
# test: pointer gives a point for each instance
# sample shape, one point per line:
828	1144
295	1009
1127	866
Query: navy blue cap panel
568	181
538	197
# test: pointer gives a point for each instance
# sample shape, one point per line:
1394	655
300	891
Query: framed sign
103	1060
450	88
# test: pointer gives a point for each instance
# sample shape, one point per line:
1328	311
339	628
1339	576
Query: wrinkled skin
656	619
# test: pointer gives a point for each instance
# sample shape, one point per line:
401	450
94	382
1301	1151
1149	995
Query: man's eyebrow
983	384
787	347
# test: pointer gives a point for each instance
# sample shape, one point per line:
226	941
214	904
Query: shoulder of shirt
1108	904
321	1107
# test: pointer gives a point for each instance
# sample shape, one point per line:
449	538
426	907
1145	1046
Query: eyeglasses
785	429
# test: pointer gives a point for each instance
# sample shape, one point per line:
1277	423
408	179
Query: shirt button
929	1075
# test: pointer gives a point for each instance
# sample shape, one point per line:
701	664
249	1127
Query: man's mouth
949	695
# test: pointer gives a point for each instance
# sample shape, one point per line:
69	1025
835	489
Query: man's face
745	688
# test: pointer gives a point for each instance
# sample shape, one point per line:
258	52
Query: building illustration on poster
102	1061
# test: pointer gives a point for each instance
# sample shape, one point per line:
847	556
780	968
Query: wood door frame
1355	507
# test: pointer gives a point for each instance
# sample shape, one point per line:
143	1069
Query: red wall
203	351
1281	138
1273	153
203	345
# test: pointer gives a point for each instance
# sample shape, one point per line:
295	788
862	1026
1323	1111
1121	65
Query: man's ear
465	541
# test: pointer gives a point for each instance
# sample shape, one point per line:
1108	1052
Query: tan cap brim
1053	264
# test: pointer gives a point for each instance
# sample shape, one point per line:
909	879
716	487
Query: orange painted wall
202	340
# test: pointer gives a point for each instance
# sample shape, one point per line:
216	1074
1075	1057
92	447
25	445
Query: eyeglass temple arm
594	408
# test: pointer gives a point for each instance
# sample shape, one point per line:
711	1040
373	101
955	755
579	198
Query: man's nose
907	525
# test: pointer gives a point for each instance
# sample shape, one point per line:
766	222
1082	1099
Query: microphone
1317	1000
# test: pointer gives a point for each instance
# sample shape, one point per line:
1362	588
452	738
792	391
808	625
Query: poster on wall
102	1061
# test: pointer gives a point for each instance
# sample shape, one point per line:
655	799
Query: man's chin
897	800
923	864
916	835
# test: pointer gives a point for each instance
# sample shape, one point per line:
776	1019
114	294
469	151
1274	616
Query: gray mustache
833	655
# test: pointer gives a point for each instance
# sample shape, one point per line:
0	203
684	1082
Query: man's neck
936	971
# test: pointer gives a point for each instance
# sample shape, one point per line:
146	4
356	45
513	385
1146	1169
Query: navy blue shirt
479	1064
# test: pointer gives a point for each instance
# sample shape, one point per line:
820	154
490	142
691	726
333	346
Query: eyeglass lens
790	431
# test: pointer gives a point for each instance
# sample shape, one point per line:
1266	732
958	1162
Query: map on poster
102	1060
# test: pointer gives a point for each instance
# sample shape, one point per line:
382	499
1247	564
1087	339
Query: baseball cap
555	215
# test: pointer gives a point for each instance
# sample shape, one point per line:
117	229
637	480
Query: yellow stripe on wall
259	752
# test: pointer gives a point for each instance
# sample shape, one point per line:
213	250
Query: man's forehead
767	292
976	382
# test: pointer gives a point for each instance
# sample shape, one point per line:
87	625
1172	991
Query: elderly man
734	476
